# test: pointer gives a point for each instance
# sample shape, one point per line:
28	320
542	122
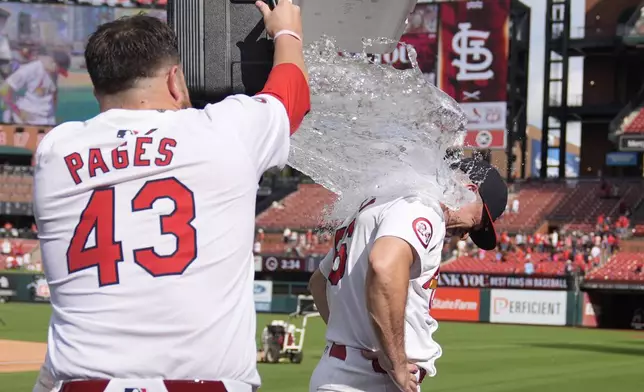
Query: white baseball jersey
146	222
346	267
40	90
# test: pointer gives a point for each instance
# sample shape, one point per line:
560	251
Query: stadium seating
536	200
622	266
273	244
28	246
634	122
582	204
513	265
301	210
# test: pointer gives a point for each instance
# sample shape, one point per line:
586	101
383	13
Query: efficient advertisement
528	307
456	304
263	292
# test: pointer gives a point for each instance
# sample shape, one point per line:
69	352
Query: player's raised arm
288	80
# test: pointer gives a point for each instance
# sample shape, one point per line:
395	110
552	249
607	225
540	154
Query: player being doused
39	81
374	288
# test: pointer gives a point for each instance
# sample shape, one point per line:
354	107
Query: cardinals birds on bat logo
423	230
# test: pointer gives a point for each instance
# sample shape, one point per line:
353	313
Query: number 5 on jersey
99	216
340	253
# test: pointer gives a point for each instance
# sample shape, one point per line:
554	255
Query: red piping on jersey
287	83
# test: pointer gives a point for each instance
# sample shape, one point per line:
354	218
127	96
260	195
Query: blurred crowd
579	250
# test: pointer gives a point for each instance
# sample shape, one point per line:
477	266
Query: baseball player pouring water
374	289
146	214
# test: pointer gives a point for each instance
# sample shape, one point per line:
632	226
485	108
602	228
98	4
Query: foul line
20	363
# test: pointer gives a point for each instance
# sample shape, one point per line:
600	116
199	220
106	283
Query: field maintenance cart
283	340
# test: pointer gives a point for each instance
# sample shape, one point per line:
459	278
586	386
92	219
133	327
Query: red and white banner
422	35
456	304
474	48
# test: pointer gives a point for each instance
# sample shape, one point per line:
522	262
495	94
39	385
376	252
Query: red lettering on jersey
120	159
96	162
352	226
366	203
166	155
74	163
140	150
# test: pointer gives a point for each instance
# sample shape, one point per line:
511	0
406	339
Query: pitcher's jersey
146	222
40	89
346	267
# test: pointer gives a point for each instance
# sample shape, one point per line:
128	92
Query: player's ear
175	84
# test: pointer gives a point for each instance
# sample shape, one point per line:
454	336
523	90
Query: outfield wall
501	299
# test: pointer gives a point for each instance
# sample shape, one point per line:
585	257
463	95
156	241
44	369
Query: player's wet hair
127	49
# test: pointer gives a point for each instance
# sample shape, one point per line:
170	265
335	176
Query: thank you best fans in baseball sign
473	64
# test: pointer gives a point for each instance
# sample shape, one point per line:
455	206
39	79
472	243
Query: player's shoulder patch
424	230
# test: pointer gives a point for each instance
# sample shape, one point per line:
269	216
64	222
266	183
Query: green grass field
476	357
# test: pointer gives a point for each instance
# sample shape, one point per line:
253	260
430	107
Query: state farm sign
456	304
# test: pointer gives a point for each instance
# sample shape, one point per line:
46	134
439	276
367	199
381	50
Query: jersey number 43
105	255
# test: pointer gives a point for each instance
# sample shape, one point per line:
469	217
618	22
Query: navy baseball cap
494	193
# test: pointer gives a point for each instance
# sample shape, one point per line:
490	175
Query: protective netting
377	131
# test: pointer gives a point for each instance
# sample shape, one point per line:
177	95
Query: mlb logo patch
123	133
423	230
135	390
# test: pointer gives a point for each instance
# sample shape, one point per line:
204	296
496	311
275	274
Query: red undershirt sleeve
287	83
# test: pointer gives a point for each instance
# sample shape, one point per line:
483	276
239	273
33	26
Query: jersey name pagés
146	221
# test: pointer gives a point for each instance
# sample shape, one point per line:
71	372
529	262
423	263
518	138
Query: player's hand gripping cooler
224	48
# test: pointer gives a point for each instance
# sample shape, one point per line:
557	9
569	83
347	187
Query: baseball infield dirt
17	356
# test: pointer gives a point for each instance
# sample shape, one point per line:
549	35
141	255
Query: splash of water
377	131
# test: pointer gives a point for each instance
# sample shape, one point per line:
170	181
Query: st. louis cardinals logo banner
474	37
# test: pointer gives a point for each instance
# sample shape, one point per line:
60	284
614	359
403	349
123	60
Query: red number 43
99	216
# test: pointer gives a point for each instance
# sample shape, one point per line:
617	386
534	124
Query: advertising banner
263	293
42	65
631	143
457	279
456	304
422	35
621	159
474	49
528	307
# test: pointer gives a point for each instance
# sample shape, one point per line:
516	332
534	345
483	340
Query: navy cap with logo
494	193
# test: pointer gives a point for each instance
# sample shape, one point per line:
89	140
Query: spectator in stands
260	235
528	267
287	235
518	239
505	241
515	206
569	268
6	247
257	247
